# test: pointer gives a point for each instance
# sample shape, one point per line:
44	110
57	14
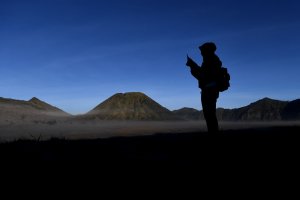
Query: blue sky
76	53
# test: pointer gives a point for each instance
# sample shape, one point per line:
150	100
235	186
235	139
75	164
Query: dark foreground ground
250	147
237	161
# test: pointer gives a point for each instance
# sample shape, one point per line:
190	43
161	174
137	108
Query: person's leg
209	101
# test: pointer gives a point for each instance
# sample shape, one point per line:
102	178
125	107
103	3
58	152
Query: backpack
223	79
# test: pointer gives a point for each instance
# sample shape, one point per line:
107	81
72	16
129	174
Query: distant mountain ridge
138	106
34	104
37	103
292	110
34	110
265	109
189	113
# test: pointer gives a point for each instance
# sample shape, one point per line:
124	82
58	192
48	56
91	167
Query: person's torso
210	68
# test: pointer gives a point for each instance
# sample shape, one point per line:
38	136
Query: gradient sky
76	53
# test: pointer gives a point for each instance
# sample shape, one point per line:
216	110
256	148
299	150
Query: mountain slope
138	106
19	111
41	105
130	106
189	114
262	110
292	110
265	109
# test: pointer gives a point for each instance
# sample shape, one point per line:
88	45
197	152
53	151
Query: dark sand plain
253	145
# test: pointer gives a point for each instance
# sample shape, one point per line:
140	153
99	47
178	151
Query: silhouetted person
207	79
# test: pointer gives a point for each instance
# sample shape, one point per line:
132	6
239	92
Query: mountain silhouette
41	105
189	114
130	106
33	104
292	110
138	106
265	109
19	111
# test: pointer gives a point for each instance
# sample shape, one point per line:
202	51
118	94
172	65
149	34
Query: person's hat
208	47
